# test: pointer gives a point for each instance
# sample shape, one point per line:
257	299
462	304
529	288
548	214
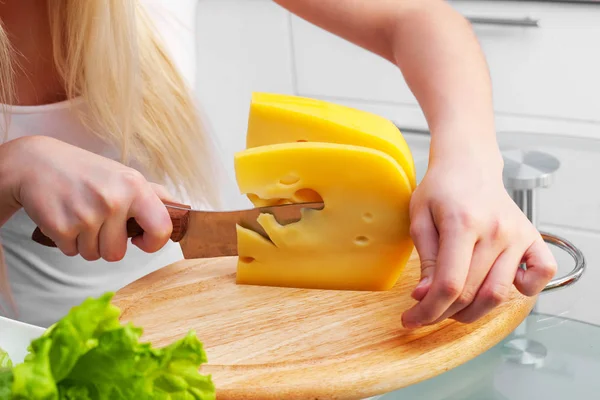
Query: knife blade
208	234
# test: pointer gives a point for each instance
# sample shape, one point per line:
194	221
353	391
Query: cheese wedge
277	118
359	241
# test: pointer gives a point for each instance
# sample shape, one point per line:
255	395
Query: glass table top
548	357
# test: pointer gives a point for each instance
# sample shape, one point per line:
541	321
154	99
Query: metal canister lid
528	169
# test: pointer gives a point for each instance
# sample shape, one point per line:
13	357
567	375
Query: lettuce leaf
6	379
89	355
33	379
5	361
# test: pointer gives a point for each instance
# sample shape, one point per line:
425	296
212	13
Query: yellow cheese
276	118
359	241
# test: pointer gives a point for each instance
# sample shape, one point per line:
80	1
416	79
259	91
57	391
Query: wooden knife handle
179	213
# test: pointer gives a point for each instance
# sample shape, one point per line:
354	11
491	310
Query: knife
208	234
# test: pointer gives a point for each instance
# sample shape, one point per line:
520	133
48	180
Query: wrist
465	150
9	181
18	159
10	172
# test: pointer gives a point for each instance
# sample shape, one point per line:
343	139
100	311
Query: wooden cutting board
281	343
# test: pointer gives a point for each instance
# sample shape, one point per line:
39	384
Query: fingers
113	237
456	246
82	201
87	224
109	240
65	241
153	217
425	237
541	268
483	291
87	243
495	289
98	229
484	255
470	248
52	217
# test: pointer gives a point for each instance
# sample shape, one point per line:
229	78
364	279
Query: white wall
546	82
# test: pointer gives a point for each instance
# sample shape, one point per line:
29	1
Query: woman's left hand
471	238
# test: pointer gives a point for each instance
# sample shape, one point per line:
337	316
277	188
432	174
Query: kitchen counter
551	358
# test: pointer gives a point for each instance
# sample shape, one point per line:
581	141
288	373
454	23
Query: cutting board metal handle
575	274
179	213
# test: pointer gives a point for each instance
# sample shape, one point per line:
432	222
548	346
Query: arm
437	53
470	235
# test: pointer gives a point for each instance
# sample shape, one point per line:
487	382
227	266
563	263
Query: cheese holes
307	196
367	217
301	141
253	198
289	180
361	241
246	259
259	202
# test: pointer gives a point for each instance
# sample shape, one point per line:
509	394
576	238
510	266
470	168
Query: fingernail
423	283
408	323
411	325
520	273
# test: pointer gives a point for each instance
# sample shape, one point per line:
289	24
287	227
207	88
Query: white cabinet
549	71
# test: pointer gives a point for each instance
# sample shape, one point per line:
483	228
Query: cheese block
360	239
277	118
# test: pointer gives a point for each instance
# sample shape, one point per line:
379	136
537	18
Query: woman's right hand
81	200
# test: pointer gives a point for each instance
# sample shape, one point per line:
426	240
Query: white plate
15	337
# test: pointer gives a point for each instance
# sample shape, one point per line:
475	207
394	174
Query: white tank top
45	282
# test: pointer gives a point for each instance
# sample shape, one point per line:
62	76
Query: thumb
426	239
541	268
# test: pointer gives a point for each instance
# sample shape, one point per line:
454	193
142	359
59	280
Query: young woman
100	127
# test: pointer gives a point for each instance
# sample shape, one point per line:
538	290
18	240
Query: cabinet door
549	70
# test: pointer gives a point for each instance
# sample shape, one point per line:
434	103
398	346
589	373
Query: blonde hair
107	52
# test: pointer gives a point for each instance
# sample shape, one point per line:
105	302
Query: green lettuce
5	375
90	355
5	361
5	383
